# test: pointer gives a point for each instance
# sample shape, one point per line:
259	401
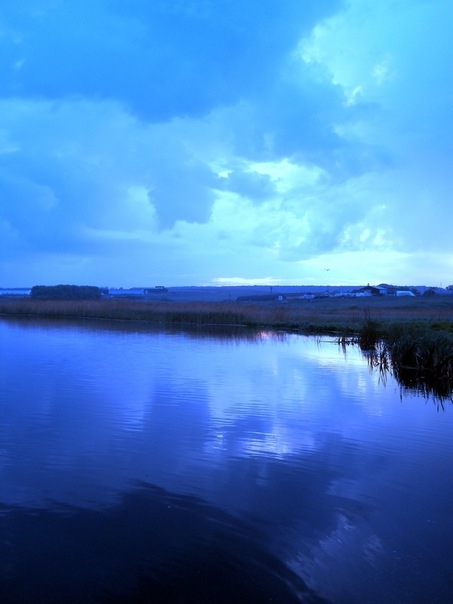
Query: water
174	467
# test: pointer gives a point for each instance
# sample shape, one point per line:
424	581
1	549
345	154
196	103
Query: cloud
391	61
160	59
74	150
176	133
91	165
248	184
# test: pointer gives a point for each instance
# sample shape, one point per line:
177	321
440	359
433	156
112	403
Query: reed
331	317
410	345
197	313
421	349
369	331
431	381
420	358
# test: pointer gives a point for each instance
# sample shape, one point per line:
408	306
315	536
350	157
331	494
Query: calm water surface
170	467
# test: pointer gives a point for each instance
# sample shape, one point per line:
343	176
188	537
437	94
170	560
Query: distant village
242	293
343	292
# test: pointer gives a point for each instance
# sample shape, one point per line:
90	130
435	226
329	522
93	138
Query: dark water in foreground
138	466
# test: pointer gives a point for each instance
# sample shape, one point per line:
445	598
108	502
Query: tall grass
369	331
421	349
303	317
410	345
418	356
195	313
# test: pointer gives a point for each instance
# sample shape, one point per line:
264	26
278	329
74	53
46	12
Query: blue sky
204	142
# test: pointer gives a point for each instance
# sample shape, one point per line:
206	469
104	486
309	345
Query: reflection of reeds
419	358
378	359
421	349
440	390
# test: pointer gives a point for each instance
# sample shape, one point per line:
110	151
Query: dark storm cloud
160	59
73	166
182	191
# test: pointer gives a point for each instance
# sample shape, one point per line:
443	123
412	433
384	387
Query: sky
216	142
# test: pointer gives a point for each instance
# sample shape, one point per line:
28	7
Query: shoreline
413	337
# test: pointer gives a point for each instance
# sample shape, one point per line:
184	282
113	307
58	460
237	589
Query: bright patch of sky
213	142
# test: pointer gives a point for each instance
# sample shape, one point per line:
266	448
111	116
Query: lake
157	466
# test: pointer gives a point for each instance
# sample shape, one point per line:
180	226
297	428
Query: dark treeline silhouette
65	292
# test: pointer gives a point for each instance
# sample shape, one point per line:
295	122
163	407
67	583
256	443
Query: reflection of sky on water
287	433
175	404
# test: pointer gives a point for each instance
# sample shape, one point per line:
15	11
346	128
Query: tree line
65	292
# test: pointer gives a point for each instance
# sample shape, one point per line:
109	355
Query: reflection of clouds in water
160	408
351	556
65	366
280	443
67	397
84	453
277	442
345	371
300	399
194	405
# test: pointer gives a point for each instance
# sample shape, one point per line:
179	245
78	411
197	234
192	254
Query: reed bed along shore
194	313
419	358
314	316
426	351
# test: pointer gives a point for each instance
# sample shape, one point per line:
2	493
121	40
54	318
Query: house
387	290
368	290
383	290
